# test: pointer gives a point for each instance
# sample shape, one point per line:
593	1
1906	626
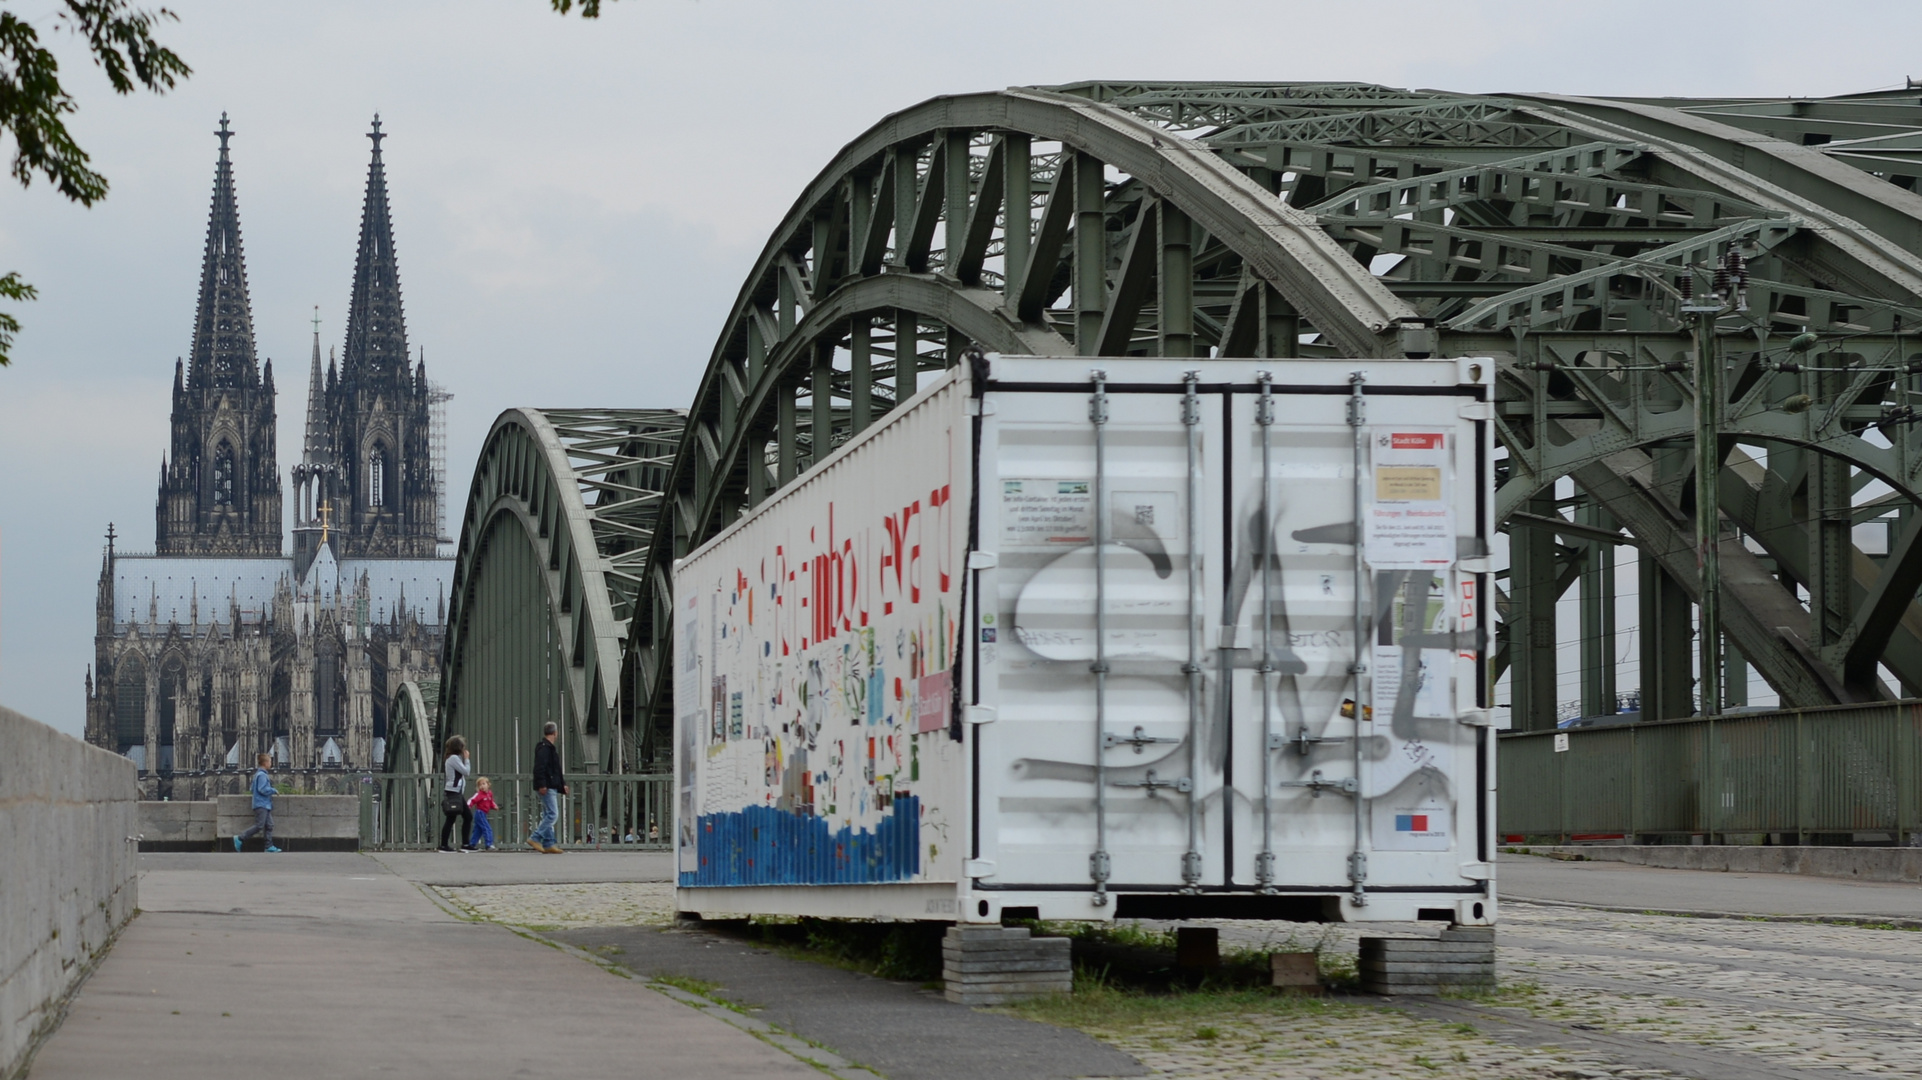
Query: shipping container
1096	638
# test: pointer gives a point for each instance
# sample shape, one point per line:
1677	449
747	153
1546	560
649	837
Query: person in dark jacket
453	795
550	785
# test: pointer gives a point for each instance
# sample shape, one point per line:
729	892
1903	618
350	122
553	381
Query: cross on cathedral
326	513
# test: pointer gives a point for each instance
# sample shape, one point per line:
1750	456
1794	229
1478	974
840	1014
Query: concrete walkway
1647	888
328	965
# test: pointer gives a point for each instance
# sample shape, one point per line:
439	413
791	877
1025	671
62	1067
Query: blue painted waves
764	846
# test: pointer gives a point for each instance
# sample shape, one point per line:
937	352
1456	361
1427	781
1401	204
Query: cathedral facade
220	645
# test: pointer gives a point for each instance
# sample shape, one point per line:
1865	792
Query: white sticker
1410	518
1046	513
1419	825
1434	697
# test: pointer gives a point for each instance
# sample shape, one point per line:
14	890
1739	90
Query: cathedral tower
381	495
220	490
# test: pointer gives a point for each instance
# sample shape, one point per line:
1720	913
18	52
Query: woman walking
453	795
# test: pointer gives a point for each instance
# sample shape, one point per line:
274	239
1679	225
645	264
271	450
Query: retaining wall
301	823
67	873
1854	863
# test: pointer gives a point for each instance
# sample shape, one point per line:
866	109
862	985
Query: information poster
1046	513
1411	517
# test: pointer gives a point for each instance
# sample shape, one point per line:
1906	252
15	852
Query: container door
1330	788
1133	548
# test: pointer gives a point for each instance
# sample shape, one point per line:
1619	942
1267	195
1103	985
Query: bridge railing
620	811
1828	775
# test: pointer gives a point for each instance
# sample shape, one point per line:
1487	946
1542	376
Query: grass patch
909	951
700	987
1100	1005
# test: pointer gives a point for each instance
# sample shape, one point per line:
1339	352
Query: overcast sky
575	203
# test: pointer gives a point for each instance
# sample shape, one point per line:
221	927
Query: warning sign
1411	522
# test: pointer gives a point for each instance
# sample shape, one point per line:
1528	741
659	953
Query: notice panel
1411	516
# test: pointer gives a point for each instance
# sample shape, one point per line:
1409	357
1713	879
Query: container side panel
816	732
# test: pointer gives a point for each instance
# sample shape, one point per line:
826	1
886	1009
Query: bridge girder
552	554
1338	219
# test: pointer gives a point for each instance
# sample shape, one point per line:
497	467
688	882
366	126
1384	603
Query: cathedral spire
315	445
376	328
223	347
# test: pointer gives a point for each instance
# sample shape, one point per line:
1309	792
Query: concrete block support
1463	956
67	873
991	965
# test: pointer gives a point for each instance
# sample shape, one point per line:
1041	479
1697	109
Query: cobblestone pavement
567	906
1585	994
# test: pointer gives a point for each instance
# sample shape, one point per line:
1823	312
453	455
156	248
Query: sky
576	203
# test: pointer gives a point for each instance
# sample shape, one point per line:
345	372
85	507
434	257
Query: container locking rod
1098	862
1364	682
1265	417
1191	419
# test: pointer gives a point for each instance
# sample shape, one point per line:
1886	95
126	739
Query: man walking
263	791
550	785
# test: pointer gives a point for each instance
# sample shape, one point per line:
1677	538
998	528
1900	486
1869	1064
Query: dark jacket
547	767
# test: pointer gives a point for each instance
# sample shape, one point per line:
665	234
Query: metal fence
1842	774
400	811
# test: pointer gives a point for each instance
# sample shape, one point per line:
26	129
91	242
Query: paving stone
1841	1001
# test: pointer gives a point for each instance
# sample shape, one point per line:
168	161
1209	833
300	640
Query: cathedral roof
169	587
173	589
223	348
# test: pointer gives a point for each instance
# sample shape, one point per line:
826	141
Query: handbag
451	802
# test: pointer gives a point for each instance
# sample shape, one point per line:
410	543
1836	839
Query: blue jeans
483	834
263	823
550	813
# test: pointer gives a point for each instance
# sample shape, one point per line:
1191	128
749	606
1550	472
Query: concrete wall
67	874
1855	863
176	826
315	817
307	822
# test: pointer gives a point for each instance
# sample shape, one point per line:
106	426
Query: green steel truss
1292	220
559	523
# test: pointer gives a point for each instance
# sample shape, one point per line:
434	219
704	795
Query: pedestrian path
1648	888
326	965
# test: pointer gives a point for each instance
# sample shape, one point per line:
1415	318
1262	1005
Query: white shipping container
1087	638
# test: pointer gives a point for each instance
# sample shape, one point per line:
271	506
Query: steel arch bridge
559	519
1290	220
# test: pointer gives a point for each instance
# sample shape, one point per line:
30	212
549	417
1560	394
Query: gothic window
377	476
223	474
328	703
229	716
130	705
173	704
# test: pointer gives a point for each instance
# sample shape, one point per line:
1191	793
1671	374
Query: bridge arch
1343	219
558	520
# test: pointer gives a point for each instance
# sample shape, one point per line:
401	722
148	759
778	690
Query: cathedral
220	645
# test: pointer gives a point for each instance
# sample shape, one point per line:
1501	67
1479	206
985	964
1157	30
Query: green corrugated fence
1807	775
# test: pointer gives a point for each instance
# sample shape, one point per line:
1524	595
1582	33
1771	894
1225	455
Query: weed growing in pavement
690	984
